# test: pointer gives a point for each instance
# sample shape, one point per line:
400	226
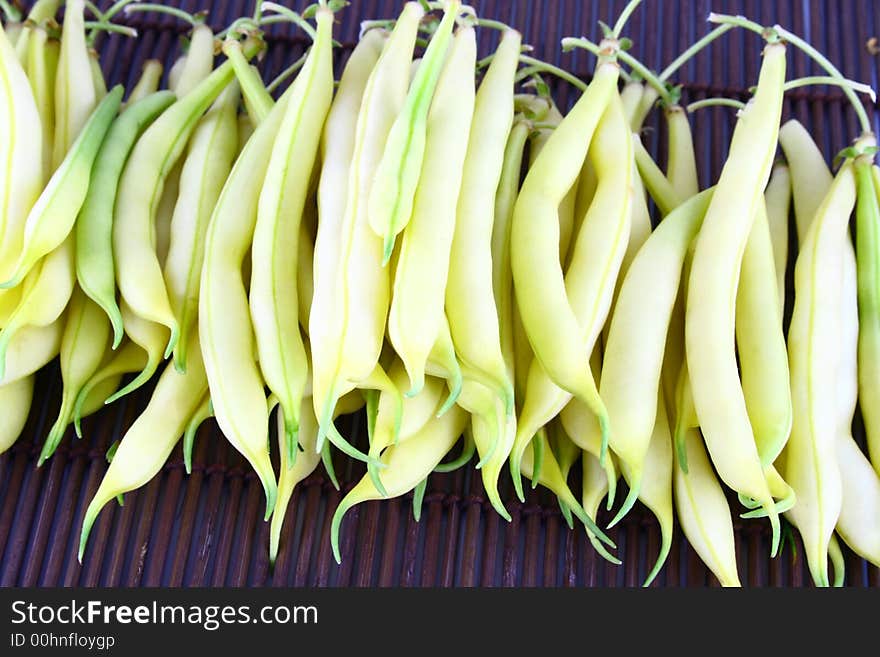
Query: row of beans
430	238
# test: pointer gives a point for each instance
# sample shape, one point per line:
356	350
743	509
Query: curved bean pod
209	159
868	263
148	443
148	82
709	318
810	457
417	314
357	300
810	176
83	345
397	176
150	337
51	219
42	66
408	464
580	300
637	339
470	300
274	253
126	359
21	167
703	512
763	357
94	225
138	269
777	198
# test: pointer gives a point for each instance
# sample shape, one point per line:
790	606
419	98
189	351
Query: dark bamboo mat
206	529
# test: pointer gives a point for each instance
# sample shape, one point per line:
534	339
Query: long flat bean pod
709	318
94	226
147	444
21	168
52	218
813	344
31	349
637	339
15	406
83	346
208	162
868	267
399	171
777	198
138	270
470	301
275	250
417	314
361	292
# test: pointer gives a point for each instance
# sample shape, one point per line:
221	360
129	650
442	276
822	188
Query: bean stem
771	35
10	11
115	9
103	26
624	17
638	68
163	9
292	16
286	73
832	70
715	102
685	56
843	83
536	66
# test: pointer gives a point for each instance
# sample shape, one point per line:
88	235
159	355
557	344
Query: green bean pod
763	358
198	62
128	358
634	352
83	345
810	465
15	406
470	300
579	300
505	200
655	485
212	151
52	218
275	251
41	12
204	412
868	262
709	318
157	151
75	96
148	443
567	454
777	198
361	293
398	173
407	465
417	313
703	512
94	225
21	168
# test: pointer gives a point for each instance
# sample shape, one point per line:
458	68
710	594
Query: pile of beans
500	284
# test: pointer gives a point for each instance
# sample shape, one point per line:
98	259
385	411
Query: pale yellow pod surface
15	406
703	513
